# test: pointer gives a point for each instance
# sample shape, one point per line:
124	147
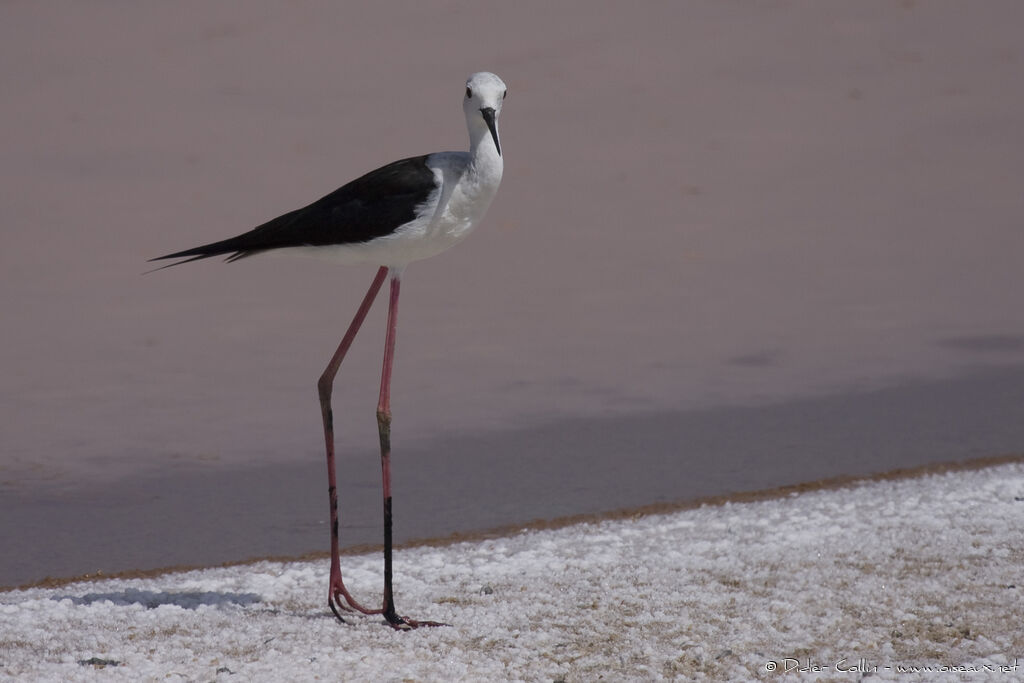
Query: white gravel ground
859	582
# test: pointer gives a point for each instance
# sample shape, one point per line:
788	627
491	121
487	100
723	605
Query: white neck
484	159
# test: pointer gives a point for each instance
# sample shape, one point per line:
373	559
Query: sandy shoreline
905	578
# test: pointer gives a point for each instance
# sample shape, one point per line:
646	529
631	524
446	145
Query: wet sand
726	235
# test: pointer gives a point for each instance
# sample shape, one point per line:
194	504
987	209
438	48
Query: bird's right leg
337	590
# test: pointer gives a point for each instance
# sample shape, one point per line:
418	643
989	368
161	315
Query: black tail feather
178	263
231	247
228	246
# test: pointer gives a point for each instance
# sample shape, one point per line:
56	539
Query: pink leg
337	589
384	428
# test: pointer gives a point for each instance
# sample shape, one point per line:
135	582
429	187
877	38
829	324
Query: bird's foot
400	623
340	600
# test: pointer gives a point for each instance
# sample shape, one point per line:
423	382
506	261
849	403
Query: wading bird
390	217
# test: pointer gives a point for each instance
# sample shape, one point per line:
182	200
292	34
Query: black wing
372	206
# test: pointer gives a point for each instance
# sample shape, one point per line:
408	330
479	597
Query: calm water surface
735	247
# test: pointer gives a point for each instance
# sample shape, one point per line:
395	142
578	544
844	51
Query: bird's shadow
154	599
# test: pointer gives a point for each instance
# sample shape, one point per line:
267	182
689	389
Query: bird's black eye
469	92
504	94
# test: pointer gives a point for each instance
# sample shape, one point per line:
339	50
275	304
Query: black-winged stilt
399	213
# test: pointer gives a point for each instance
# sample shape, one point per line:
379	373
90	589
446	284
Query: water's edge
207	516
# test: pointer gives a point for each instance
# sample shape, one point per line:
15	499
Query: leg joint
324	386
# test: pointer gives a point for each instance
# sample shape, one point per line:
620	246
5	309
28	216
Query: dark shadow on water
985	343
757	359
474	482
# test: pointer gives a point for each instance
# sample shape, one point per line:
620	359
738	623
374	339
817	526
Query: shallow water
203	515
705	208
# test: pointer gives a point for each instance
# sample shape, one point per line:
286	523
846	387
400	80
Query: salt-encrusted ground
829	584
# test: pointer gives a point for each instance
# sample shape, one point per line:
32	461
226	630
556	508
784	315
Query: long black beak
488	114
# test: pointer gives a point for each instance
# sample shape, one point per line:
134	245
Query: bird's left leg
384	429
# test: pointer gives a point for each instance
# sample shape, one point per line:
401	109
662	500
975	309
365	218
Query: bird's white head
484	94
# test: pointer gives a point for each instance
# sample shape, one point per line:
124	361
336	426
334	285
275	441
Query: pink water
708	209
